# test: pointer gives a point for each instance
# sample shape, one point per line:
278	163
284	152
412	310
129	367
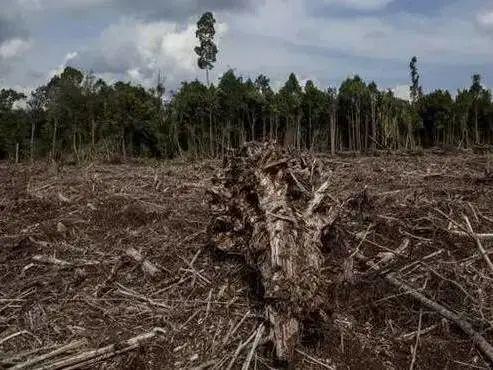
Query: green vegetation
79	115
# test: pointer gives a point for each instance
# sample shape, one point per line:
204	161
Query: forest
79	115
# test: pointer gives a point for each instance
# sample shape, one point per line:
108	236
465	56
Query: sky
321	40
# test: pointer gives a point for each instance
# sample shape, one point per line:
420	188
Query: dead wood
85	358
147	266
392	278
63	349
264	211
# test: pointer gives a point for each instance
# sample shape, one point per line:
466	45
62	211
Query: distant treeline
79	116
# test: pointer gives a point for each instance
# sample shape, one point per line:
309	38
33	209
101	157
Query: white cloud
137	50
402	92
13	48
58	4
453	39
58	70
485	20
360	4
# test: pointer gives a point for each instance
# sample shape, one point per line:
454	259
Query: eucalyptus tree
476	89
231	106
290	96
207	50
266	101
352	94
373	94
415	88
437	115
13	125
332	103
313	102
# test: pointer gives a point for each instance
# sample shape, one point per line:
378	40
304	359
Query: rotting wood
264	212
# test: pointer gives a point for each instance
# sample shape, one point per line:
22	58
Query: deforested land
169	264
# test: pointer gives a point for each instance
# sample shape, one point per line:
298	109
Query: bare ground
65	274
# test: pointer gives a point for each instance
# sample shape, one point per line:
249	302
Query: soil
208	302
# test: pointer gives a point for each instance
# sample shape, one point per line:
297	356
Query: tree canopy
78	115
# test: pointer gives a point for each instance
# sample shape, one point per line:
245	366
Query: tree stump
271	207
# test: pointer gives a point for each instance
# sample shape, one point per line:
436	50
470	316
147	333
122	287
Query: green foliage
207	49
79	116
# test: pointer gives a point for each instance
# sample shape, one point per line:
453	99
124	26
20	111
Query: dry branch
82	359
479	245
147	266
63	349
485	347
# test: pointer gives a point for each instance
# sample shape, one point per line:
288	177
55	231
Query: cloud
143	9
13	40
324	40
485	21
137	50
159	9
57	4
13	48
360	4
402	92
11	26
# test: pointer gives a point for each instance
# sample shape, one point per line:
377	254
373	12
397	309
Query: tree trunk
53	140
33	129
332	132
373	125
476	125
16	153
124	149
211	136
282	241
74	145
93	135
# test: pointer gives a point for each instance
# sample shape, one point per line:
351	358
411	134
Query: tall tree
476	90
416	90
207	50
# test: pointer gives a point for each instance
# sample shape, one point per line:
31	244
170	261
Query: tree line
79	115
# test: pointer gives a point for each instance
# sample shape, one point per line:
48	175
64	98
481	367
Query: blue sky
322	40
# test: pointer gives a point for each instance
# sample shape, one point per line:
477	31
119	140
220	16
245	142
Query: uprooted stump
272	208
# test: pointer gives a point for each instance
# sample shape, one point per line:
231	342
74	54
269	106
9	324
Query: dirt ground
65	274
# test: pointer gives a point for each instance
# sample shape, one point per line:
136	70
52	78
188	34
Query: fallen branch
12	336
410	336
479	245
258	337
36	360
466	327
240	347
415	348
82	359
484	237
48	260
147	266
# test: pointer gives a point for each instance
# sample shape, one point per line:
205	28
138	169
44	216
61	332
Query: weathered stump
271	207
